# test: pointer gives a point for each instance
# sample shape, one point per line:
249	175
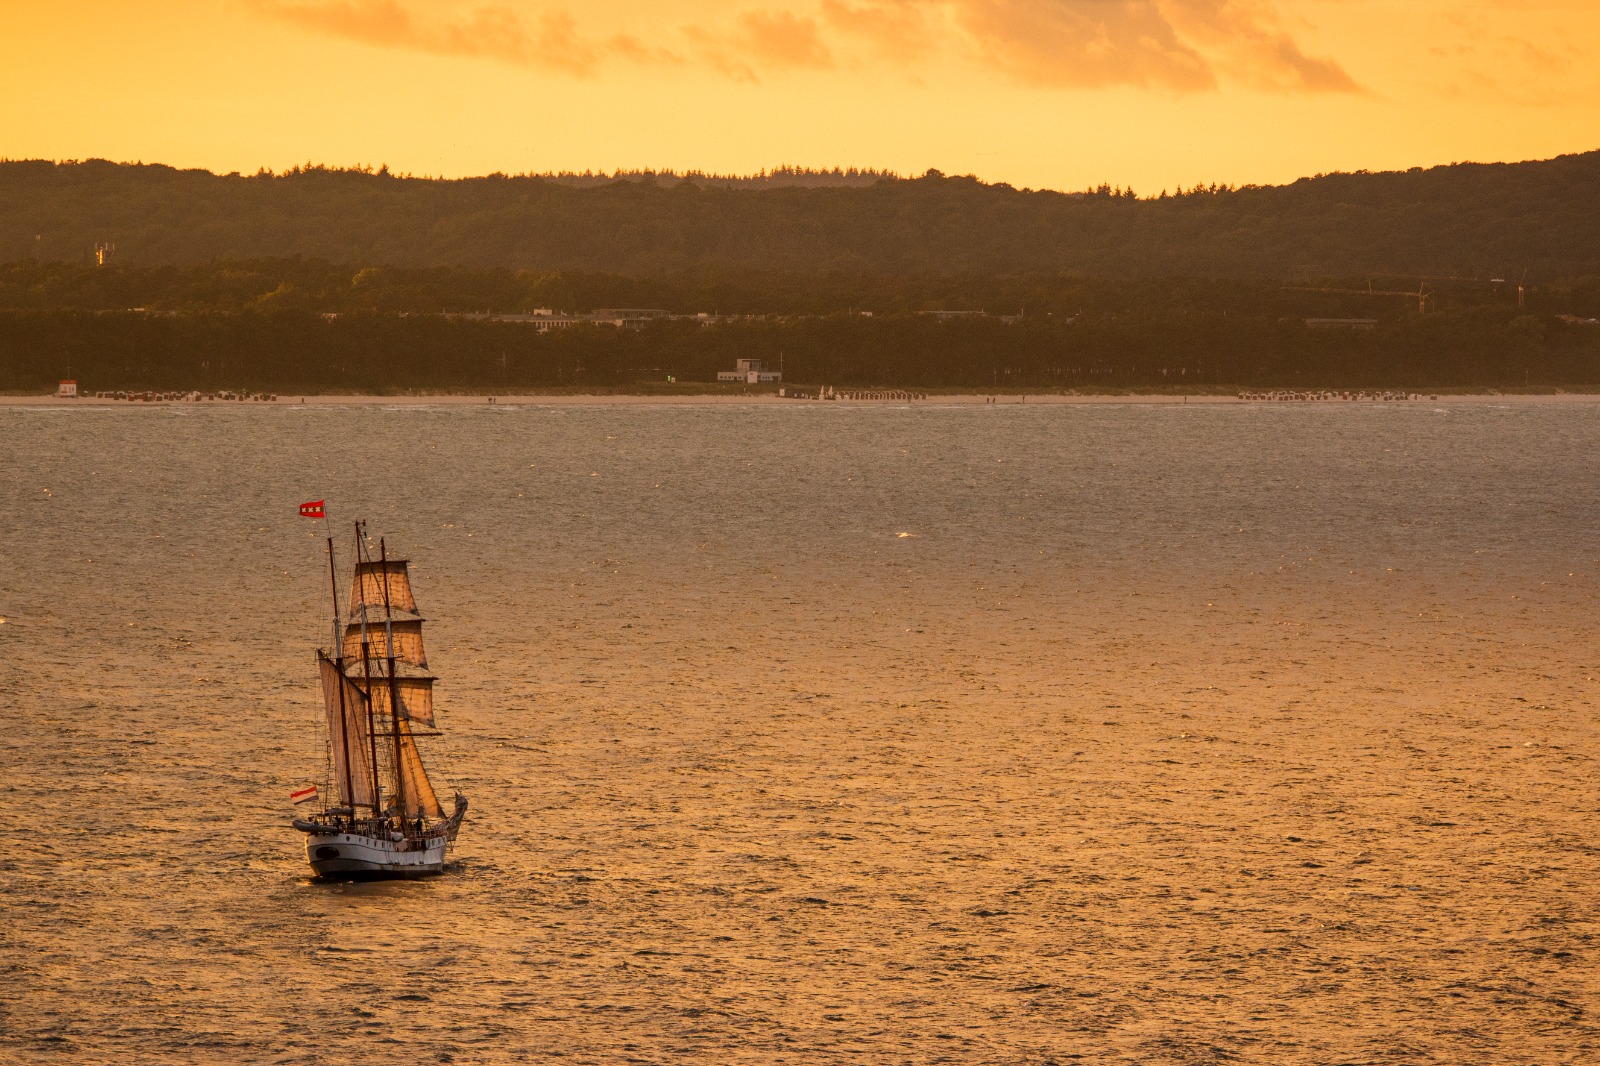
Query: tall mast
333	578
338	664
366	670
372	735
394	684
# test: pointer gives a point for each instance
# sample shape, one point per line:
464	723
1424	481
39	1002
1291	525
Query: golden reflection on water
1181	735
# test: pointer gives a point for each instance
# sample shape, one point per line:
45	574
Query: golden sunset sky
1041	93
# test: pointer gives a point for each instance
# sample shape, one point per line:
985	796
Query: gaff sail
347	734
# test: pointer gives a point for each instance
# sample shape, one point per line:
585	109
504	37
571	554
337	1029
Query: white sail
407	636
347	734
379	584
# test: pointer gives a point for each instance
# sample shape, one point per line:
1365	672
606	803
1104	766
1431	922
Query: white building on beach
749	371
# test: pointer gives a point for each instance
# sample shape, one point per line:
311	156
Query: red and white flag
311	509
305	795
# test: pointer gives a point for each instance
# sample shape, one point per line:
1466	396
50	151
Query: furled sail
416	699
347	723
374	578
416	792
407	635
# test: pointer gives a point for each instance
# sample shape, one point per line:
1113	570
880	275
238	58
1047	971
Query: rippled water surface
818	735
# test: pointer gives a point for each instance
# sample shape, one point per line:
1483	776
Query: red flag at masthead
312	509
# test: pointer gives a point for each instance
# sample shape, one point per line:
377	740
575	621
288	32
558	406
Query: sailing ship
384	818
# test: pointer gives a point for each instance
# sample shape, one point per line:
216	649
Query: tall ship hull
363	855
384	818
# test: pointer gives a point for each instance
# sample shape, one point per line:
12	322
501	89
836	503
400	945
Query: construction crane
1521	283
1424	277
1522	288
1422	295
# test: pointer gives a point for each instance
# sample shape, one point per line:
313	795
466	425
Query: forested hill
1478	219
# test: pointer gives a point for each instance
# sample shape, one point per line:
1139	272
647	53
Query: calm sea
1144	734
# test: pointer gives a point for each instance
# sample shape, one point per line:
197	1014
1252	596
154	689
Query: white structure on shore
67	389
749	371
544	319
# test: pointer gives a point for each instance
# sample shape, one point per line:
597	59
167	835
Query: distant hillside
1476	219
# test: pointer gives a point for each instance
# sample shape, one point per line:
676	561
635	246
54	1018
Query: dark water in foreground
1105	734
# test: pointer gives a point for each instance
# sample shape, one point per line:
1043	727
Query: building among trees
750	372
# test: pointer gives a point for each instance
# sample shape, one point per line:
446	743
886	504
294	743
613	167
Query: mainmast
338	662
394	683
366	670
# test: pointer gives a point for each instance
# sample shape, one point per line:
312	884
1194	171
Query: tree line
290	351
296	284
1472	220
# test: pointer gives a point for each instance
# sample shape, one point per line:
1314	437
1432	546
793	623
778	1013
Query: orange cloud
489	32
784	40
1084	43
1174	45
1247	42
761	40
1485	63
898	29
1169	45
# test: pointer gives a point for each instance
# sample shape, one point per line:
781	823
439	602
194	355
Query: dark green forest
320	279
316	285
1476	220
298	351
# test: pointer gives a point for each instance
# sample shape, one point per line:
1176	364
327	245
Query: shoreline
771	400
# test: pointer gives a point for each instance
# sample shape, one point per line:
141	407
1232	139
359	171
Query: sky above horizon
1062	94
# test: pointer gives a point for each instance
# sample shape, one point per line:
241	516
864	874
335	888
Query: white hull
364	855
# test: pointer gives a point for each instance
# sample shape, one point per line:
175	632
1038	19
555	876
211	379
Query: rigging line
394	684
